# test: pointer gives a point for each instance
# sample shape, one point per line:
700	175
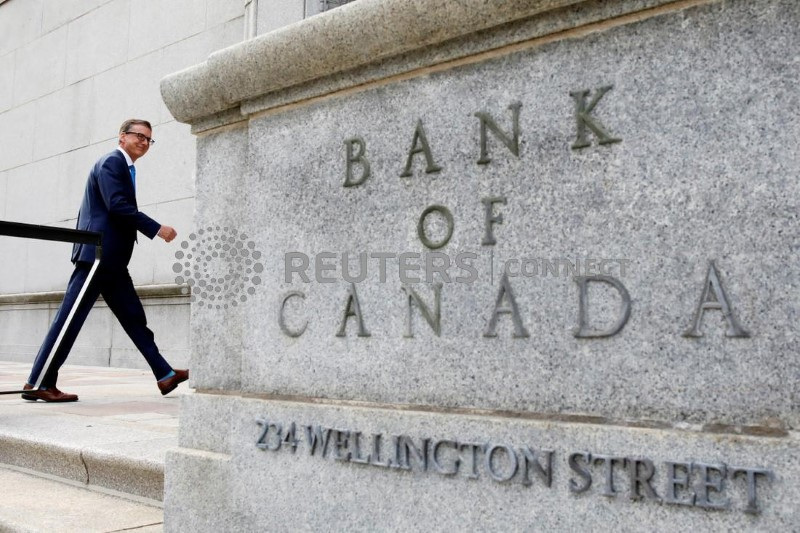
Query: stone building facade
70	73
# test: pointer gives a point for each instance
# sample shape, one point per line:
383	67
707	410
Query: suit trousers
115	285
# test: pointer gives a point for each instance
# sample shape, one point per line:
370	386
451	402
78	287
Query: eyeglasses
141	136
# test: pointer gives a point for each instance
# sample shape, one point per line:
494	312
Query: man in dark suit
108	206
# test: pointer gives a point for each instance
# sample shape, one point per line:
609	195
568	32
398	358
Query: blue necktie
133	176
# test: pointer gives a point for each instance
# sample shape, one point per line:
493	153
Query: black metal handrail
48	233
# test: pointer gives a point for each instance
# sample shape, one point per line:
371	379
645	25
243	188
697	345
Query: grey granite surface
705	171
260	488
664	146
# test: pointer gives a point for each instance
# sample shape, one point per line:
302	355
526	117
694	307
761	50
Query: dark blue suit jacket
109	206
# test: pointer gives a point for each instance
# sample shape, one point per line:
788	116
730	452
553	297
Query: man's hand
167	233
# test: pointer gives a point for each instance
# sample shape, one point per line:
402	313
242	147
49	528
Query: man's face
132	144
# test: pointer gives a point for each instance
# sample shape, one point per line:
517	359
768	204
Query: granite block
140	476
342	485
663	205
217	357
207	422
620	355
46	457
207	509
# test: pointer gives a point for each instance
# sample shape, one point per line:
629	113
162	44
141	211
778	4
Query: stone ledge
144	291
342	39
128	475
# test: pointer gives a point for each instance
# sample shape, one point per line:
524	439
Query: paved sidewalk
115	438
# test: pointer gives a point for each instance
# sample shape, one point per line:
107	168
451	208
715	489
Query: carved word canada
712	294
691	484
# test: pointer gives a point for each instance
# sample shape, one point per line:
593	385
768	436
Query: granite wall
513	265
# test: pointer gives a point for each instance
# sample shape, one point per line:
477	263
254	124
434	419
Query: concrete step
114	439
35	503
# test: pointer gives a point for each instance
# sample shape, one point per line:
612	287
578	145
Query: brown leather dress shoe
50	395
169	384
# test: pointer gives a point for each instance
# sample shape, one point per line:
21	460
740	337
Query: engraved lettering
355	443
511	458
341	443
505	293
278	432
419	144
713	297
751	473
290	437
282	317
530	458
488	123
356	157
261	442
353	308
397	463
448	217
437	465
376	452
317	438
582	471
473	449
608	472
584	118
583	330
434	319
491	219
706	486
409	449
675	481
641	472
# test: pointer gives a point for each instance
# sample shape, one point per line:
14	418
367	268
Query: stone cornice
354	35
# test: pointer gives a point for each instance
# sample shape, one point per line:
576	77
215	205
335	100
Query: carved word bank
358	170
